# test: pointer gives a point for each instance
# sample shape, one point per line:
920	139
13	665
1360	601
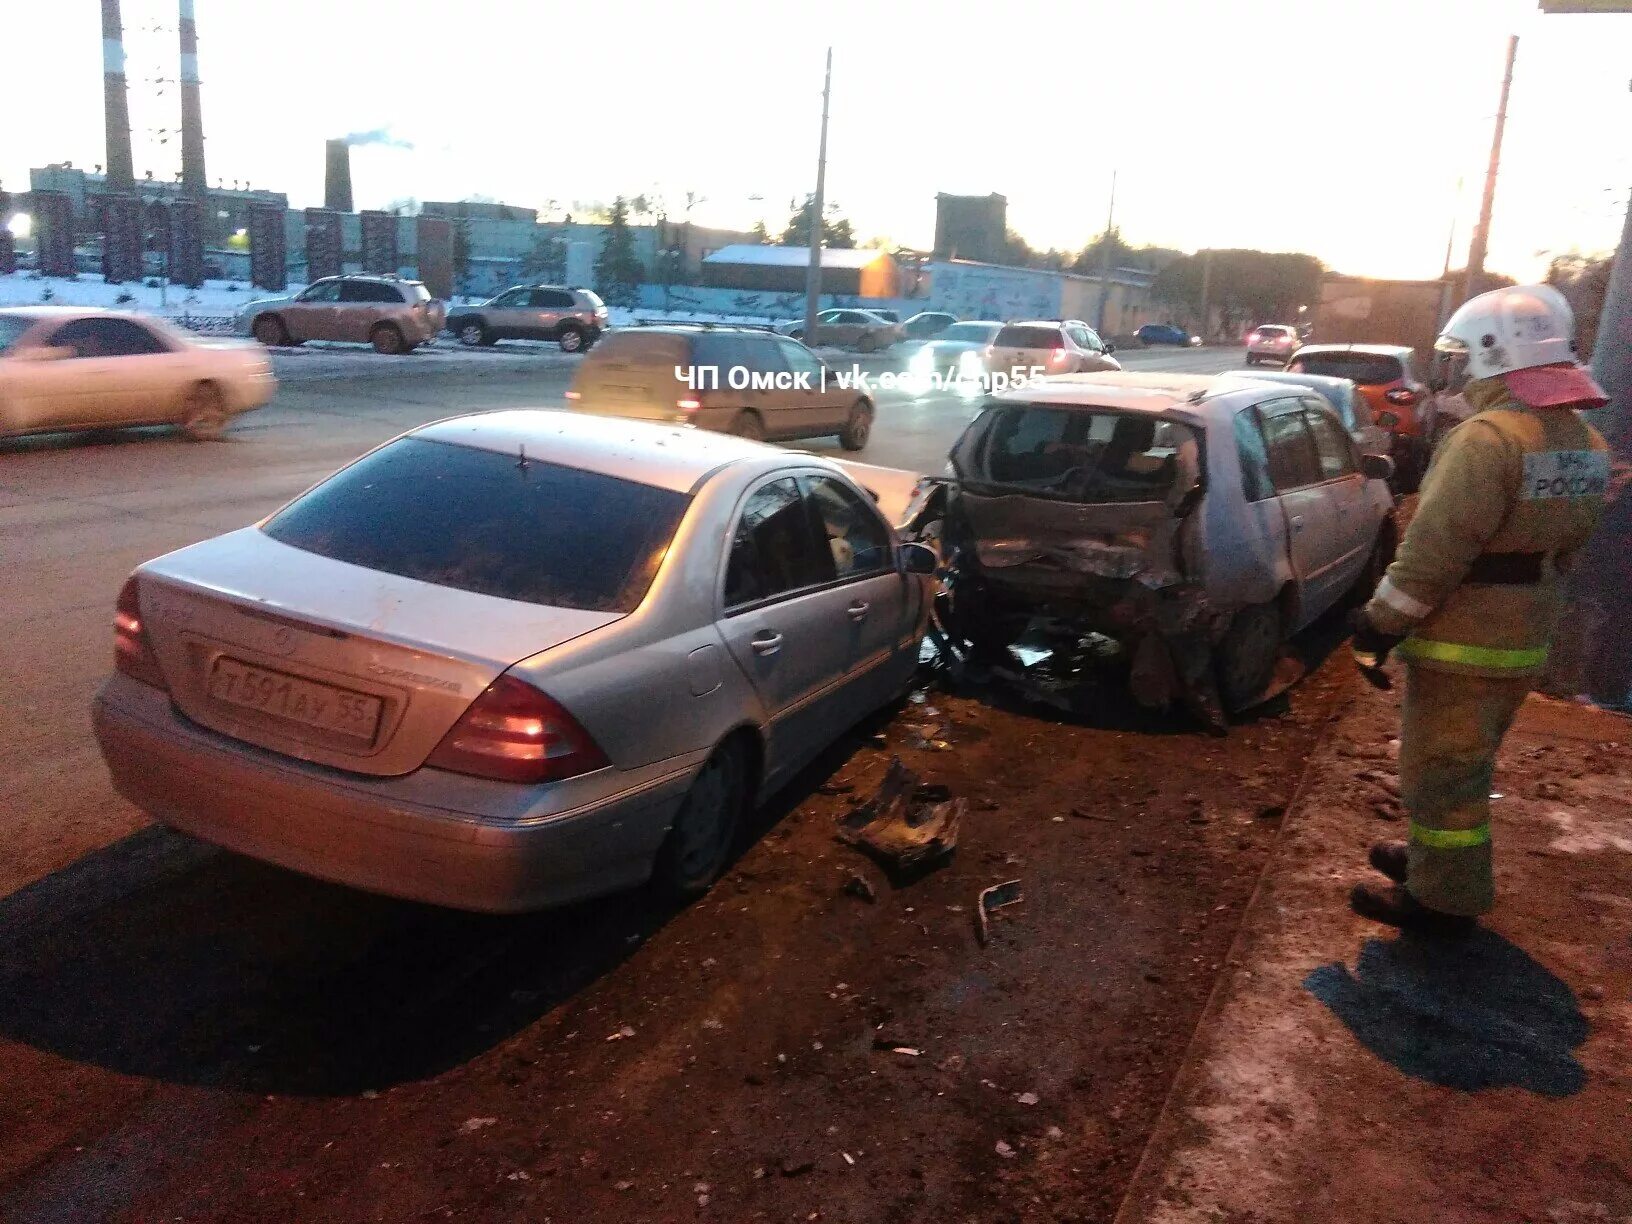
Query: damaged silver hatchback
1196	522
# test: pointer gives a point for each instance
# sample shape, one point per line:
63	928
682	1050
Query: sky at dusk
1337	127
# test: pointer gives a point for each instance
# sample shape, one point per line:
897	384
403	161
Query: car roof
666	456
1375	350
1192	397
1314	381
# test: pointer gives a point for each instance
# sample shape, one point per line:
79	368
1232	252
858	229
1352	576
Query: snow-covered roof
793	256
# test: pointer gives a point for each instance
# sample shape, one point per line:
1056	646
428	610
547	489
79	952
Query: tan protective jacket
1510	479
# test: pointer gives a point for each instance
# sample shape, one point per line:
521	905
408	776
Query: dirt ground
187	1035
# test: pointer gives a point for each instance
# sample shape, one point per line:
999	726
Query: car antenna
522	462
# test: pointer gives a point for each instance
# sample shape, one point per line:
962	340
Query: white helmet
1511	329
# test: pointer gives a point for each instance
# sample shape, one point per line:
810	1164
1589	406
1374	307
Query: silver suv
392	314
573	318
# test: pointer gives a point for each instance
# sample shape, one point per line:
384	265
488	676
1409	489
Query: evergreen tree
836	231
617	270
546	259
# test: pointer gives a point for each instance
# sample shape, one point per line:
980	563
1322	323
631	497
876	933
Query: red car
1386	375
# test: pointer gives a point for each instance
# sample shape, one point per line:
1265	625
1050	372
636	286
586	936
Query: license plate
323	706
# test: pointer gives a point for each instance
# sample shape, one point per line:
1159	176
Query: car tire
474	334
748	424
387	338
699	843
571	339
854	435
1247	654
203	413
1251	360
270	331
867	342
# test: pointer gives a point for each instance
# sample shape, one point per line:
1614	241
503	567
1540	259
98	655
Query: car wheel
856	430
749	425
571	339
387	339
867	342
270	331
473	334
705	828
203	412
1251	360
1247	655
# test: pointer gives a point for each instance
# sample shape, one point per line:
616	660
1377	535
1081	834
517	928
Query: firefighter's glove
1371	648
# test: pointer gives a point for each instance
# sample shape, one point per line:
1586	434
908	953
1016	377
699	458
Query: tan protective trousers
1450	728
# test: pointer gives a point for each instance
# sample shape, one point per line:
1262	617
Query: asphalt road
83	869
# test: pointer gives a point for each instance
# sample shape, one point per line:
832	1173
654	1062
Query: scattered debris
471	1125
835	788
848	1159
904	823
370	1094
1054	1132
993	899
1027	1098
796	1168
1272	811
1005	1151
625	1031
909	1051
713	1025
858	886
623	1186
1082	815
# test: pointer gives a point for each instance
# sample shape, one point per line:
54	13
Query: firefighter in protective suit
1470	600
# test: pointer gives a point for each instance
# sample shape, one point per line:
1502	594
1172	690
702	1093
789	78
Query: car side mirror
1109	347
1377	467
918	559
44	352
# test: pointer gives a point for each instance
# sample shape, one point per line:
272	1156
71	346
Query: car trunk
632	374
328	661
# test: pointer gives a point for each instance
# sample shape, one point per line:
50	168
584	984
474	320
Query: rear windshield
483	521
1084	454
1274	333
640	347
1367	369
1030	337
980	333
12	328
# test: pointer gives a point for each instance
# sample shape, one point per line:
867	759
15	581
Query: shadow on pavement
1467	1014
162	957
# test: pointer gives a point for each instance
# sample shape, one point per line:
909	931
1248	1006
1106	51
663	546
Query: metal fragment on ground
993	899
904	823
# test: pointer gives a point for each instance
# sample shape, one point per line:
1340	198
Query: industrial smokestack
337	176
116	104
193	181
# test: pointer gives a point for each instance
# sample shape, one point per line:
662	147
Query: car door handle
1297	522
858	610
766	642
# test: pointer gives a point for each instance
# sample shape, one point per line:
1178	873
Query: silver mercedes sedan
512	660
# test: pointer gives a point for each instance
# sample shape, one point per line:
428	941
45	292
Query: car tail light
1403	396
688	405
1059	357
132	652
515	733
573	395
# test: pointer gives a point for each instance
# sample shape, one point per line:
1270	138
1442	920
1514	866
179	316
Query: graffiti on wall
994	293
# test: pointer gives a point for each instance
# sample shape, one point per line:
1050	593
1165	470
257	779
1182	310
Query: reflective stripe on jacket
1510	479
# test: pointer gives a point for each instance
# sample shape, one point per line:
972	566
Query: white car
67	368
1271	342
1067	346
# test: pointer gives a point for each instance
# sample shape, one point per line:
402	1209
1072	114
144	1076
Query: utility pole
813	271
1481	236
1105	261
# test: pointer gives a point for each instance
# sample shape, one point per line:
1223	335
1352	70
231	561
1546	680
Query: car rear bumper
375	834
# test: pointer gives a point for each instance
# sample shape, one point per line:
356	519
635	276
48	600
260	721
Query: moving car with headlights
740	380
956	354
1197	522
573	318
1352	408
396	316
1271	342
67	368
1166	333
1400	403
511	660
860	329
927	324
1067	346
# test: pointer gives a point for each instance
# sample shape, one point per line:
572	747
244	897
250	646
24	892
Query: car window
479	520
801	360
107	338
856	536
1029	337
322	291
1367	369
720	353
511	297
1087	455
1332	442
1094	342
1293	462
1256	484
830	316
11	330
553	299
367	291
776	548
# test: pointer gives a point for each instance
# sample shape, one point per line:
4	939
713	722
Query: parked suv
749	382
573	318
1061	346
1271	342
1400	403
392	314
